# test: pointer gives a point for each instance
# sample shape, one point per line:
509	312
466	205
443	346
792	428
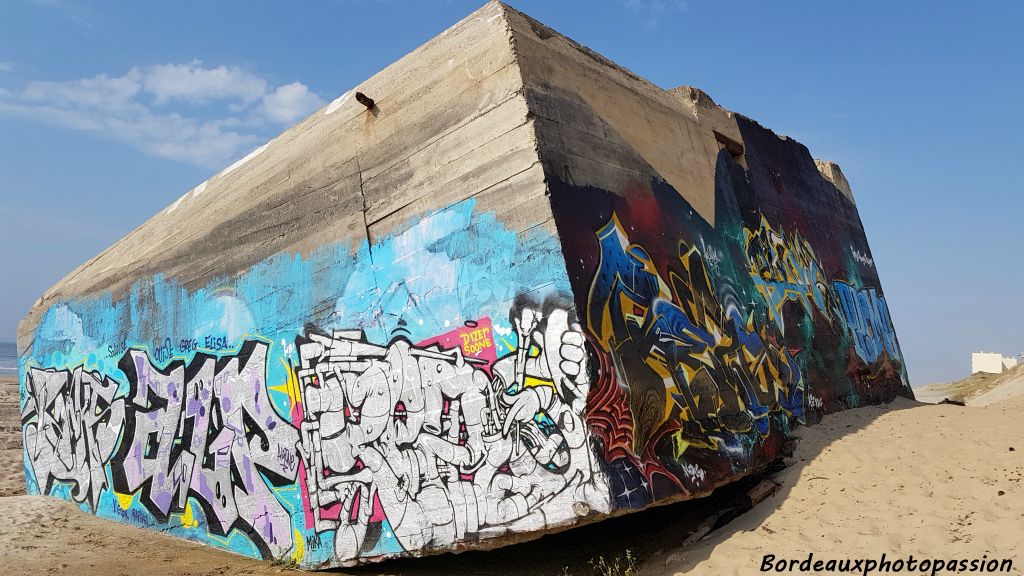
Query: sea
8	359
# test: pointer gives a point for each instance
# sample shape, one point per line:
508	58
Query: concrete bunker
501	288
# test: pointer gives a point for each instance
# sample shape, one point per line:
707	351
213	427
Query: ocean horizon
8	359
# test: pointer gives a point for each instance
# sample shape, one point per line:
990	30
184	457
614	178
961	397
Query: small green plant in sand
620	565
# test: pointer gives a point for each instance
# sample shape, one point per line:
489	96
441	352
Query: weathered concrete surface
527	289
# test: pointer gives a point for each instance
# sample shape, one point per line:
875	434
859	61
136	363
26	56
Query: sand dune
1009	387
979	389
906	478
935	481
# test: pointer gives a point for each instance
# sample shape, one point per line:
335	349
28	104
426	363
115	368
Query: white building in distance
991	362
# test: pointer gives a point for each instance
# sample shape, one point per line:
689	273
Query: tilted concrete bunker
525	289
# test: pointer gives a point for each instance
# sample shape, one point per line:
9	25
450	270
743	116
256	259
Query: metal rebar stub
364	100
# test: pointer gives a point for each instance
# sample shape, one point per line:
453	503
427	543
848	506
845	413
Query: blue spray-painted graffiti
867	317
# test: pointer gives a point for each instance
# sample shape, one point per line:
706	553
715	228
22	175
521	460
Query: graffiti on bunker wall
699	376
467	381
711	342
436	400
702	376
71	424
207	429
711	370
430	442
434	444
204	431
785	269
867	316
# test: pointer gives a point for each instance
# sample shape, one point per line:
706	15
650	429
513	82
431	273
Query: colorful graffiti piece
203	431
207	430
867	316
785	269
699	377
411	413
400	447
711	341
724	373
432	445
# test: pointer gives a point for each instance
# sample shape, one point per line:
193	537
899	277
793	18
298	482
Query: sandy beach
933	481
902	479
12	475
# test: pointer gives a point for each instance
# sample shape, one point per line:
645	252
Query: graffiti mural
712	340
867	317
786	269
409	411
207	430
698	375
437	444
723	373
203	431
71	424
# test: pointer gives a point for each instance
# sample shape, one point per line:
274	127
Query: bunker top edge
496	24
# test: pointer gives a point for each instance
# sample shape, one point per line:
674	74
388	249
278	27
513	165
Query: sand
42	535
905	478
935	481
12	475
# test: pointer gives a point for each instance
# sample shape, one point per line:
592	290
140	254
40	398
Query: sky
109	111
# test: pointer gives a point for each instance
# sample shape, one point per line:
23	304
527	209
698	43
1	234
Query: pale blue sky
133	103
